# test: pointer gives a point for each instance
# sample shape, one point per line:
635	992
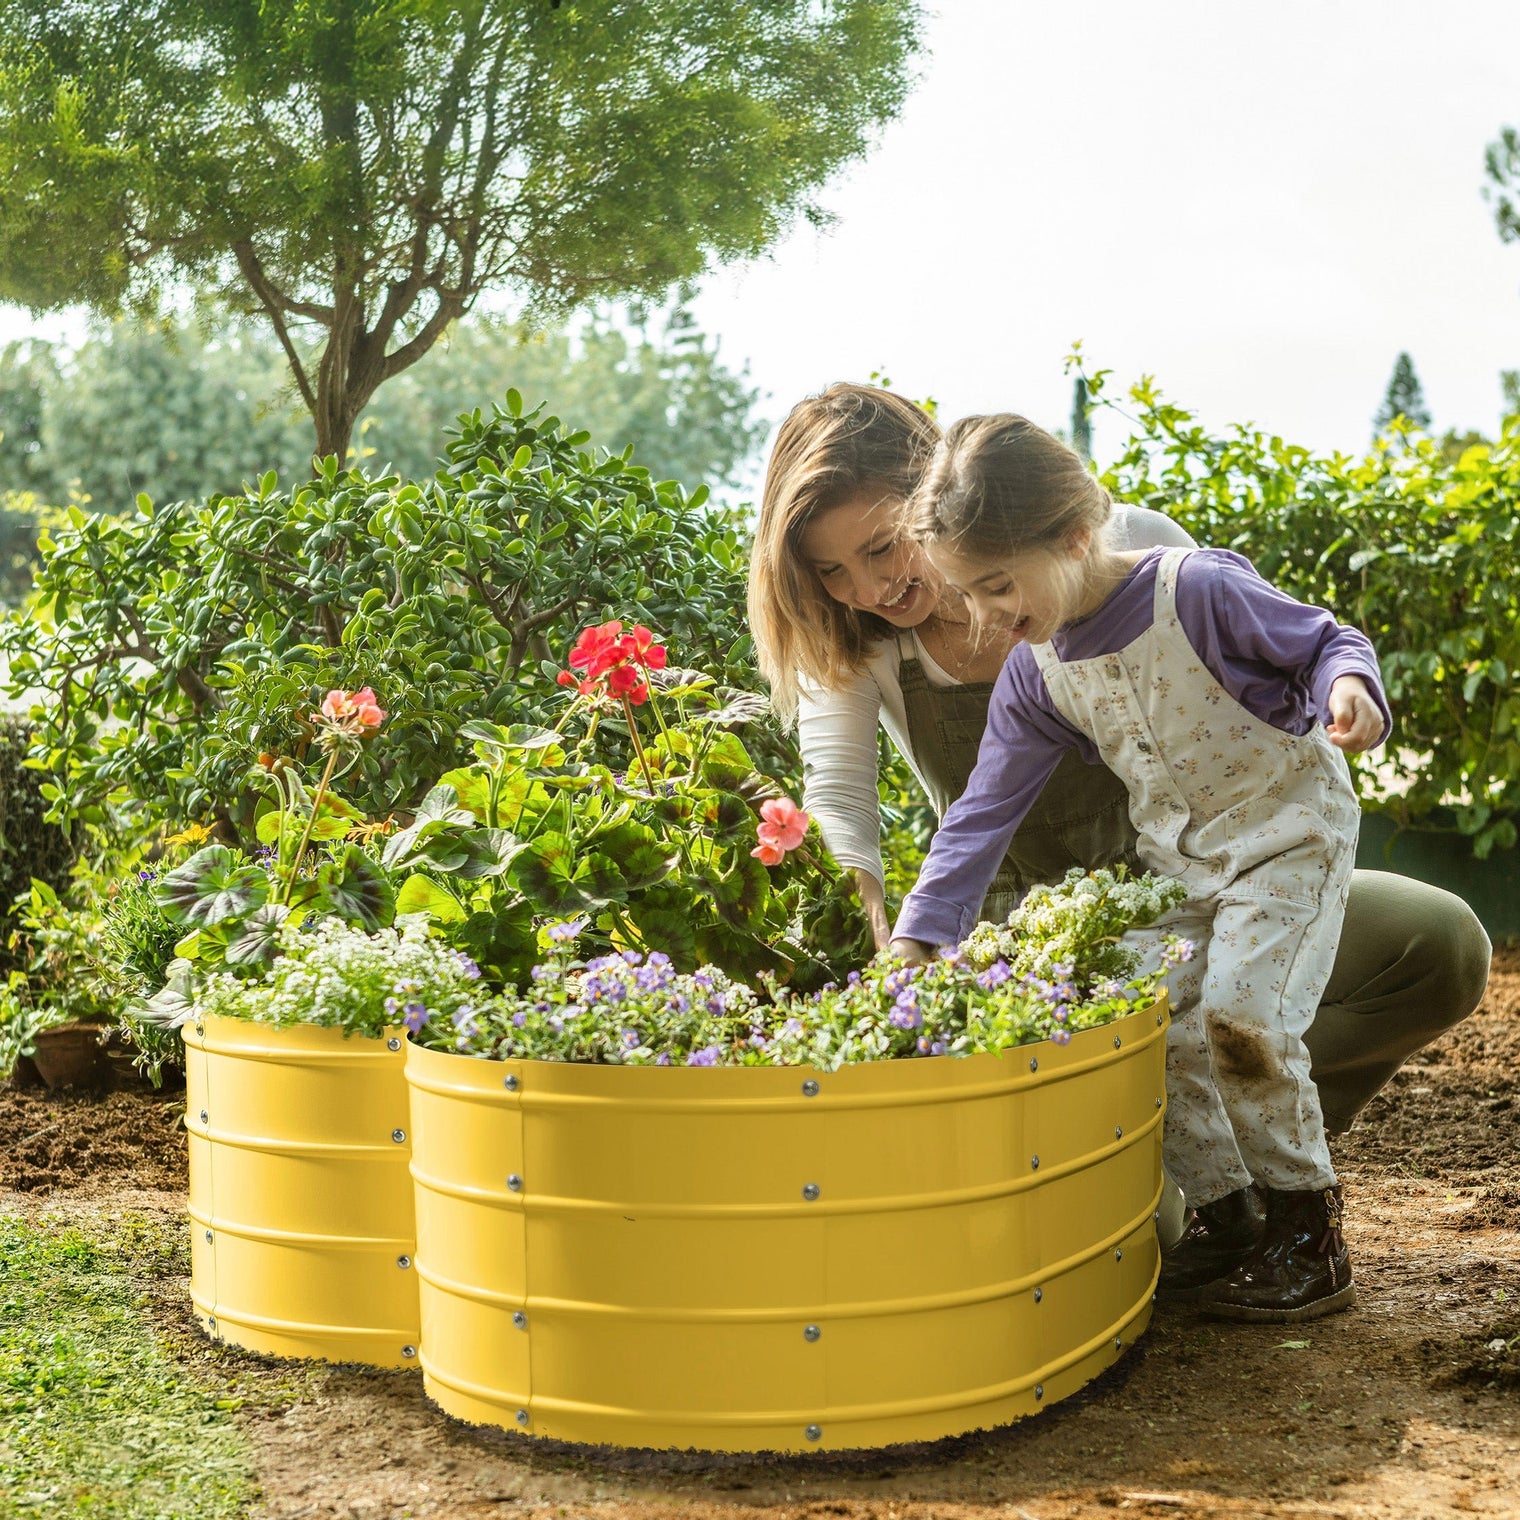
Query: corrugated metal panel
727	1259
300	1200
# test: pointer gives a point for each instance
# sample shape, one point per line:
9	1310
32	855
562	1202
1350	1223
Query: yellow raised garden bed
300	1202
781	1259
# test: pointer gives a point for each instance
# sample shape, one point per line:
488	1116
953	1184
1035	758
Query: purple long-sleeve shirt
1276	656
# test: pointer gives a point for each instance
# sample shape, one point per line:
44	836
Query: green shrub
1414	547
30	847
175	645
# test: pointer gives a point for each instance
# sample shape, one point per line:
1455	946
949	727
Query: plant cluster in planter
1057	966
658	836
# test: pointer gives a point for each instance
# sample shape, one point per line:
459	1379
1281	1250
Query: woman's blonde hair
1000	486
833	447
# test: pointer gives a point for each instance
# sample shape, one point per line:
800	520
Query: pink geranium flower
782	828
769	854
347	715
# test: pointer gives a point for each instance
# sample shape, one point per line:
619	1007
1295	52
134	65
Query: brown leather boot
1300	1270
1218	1238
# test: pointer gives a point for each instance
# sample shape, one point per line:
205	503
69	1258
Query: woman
854	635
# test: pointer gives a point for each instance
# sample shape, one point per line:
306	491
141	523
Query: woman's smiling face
863	560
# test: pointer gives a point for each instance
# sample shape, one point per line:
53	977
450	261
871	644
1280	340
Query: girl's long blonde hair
832	448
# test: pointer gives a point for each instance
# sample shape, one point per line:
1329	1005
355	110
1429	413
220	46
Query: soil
1407	1407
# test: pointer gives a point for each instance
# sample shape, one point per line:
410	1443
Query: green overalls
1080	819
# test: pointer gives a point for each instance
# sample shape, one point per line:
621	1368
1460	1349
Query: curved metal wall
300	1201
782	1259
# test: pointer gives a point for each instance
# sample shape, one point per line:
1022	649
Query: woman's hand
1356	721
873	898
913	951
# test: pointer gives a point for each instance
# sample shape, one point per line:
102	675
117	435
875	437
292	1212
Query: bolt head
1039	1293
1118	1254
1034	1064
205	1117
399	1136
1118	1343
409	1352
810	1088
520	1320
522	1416
514	1183
811	1191
510	1082
393	1043
1039	1390
811	1333
1034	1163
814	1432
208	1237
1118	1132
1117	1042
403	1262
211	1323
1159	1102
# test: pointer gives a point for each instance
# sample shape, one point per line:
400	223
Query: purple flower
792	1027
145	876
938	1048
416	1016
853	979
658	958
663	1059
923	1046
631	1039
994	976
563	933
716	1005
707	1056
757	1040
1060	1036
467	965
702	977
390	1005
520	1017
906	1015
632	958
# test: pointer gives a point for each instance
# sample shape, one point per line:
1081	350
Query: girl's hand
913	951
1356	721
873	898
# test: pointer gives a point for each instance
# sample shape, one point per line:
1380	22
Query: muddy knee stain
1239	1054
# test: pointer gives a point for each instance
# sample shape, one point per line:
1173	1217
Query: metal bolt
514	1183
208	1237
1118	1132
522	1416
810	1191
1039	1293
398	1135
1117	1042
1157	1216
1158	1102
1158	1021
511	1083
205	1117
1034	1163
1034	1065
1118	1343
520	1320
1039	1390
393	1043
409	1352
811	1333
211	1323
814	1432
403	1262
1118	1254
810	1088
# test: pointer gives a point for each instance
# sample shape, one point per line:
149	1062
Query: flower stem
311	819
633	733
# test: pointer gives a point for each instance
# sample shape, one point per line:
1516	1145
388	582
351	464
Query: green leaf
214	884
549	873
258	942
420	894
356	889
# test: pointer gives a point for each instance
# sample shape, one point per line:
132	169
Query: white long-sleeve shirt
837	729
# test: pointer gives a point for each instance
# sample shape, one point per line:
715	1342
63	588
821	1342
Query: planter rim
275	1042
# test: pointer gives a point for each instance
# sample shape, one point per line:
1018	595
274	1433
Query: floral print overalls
1261	826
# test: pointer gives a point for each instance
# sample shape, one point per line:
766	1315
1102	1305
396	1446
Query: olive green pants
1413	961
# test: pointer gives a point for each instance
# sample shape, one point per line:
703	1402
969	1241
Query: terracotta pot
69	1055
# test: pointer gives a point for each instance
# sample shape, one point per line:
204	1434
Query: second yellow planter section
777	1259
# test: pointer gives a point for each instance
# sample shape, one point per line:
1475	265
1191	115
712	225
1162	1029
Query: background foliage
1416	547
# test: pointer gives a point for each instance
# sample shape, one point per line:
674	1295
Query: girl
1203	688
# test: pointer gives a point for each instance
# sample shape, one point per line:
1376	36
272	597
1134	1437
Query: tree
1081	419
1501	163
357	172
183	412
1404	398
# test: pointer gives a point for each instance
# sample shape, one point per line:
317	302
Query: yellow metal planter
300	1202
782	1259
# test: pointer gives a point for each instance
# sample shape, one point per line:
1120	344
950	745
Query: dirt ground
1407	1407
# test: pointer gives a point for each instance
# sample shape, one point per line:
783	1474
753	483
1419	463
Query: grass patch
97	1418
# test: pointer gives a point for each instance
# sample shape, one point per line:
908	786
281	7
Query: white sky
1258	203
